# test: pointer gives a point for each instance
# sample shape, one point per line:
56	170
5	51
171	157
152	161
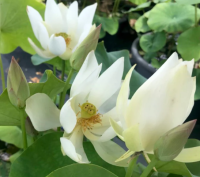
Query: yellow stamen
65	36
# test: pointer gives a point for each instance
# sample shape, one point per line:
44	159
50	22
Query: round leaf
153	42
171	17
15	26
138	2
189	44
141	25
82	170
188	2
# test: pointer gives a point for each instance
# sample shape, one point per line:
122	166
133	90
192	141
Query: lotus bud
18	89
168	146
88	44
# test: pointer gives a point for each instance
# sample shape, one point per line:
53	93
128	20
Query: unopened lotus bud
88	44
18	89
172	143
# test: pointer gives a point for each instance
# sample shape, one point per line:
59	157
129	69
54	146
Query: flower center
89	116
65	36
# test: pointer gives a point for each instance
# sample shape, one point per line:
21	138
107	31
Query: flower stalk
131	166
23	128
149	168
2	74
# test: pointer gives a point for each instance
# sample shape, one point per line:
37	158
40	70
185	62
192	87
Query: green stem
116	6
149	168
63	70
23	127
131	166
196	17
63	94
2	74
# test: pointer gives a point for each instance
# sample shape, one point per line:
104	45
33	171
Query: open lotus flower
62	30
87	112
162	103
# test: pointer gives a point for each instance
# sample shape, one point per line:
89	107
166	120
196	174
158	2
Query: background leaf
51	86
141	25
9	114
15	27
82	170
171	17
44	156
13	135
188	2
189	44
153	42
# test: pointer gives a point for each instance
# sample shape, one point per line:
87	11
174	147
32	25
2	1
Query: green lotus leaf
141	25
153	42
172	17
188	1
138	2
140	7
82	170
15	27
189	44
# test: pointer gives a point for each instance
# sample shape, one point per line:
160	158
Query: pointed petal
125	155
107	84
72	146
43	112
122	100
86	17
90	65
57	45
72	18
68	117
132	138
63	10
35	19
53	16
109	152
107	135
45	54
189	155
43	36
118	130
190	66
84	34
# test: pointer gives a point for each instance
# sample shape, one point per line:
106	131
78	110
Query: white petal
45	54
63	10
43	112
109	152
68	117
107	84
53	16
43	36
161	104
57	45
117	128
189	155
72	18
35	19
125	155
90	64
86	17
107	135
73	146
122	100
190	65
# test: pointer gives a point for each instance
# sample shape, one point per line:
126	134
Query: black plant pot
142	67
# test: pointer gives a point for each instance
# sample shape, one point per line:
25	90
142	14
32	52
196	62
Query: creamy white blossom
87	112
163	102
62	30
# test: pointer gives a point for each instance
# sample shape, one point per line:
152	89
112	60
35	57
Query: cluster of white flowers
99	107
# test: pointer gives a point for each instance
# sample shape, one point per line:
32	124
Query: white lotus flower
163	102
62	29
87	112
